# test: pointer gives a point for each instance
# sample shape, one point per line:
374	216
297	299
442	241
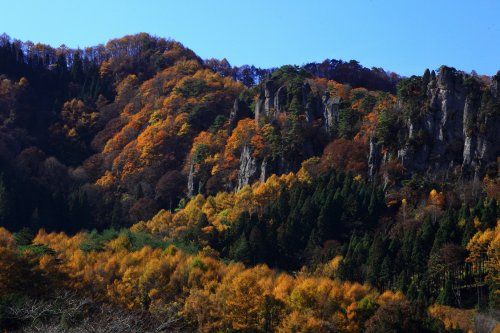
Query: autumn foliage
145	187
214	295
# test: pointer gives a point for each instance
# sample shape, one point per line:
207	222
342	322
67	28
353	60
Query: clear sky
405	36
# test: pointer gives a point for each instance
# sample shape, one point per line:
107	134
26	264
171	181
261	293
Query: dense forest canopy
140	181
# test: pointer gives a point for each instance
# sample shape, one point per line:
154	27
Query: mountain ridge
108	115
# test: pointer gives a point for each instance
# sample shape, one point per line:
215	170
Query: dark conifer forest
145	189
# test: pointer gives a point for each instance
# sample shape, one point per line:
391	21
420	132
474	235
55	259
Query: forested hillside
143	188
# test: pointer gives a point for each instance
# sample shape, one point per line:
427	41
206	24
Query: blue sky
405	36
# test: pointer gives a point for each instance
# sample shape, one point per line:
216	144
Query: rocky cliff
446	124
451	126
442	125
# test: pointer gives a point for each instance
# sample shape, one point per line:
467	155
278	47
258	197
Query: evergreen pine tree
5	203
24	237
256	244
385	274
489	213
445	296
445	233
240	251
375	257
412	292
76	71
402	283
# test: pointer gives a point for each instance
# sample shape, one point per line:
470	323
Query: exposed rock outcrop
190	183
373	158
263	169
248	168
446	125
331	107
280	99
273	100
265	101
454	131
268	96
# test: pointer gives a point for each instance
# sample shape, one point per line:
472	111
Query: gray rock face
449	131
331	107
306	91
190	184
269	96
259	108
248	168
470	141
445	128
265	101
233	116
272	101
307	103
373	159
263	169
447	105
280	100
